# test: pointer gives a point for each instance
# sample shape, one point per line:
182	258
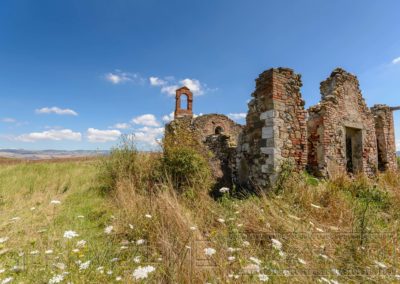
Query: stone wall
275	129
386	144
341	129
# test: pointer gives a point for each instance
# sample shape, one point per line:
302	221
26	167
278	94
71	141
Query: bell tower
186	110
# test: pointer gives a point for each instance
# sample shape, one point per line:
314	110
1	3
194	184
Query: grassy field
62	222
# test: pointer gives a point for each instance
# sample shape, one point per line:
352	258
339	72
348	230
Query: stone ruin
338	135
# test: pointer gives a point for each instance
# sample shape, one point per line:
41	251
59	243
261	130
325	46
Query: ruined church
339	134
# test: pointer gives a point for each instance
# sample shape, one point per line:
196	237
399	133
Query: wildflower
7	280
142	272
224	190
286	273
380	264
221	220
60	265
33	208
84	265
131	226
251	269
302	261
4	239
109	272
255	260
240	225
115	259
137	259
100	269
334	270
75	250
2	270
81	216
108	229
34	252
231	258
276	244
263	277
56	279
140	242
209	251
230	249
81	243
193	228
118	278
55	202
49	251
246	243
281	254
70	234
123	247
148	216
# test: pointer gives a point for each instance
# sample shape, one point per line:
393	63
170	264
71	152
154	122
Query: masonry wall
386	144
342	117
275	129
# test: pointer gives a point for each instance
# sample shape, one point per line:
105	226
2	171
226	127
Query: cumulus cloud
121	126
396	60
56	110
155	81
237	116
169	90
194	85
101	136
53	135
146	120
148	136
168	117
119	77
8	120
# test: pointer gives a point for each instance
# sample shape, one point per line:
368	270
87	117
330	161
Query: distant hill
49	154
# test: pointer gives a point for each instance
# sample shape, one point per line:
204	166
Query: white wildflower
118	278
55	202
2	271
209	251
70	234
115	259
75	250
231	258
4	239
81	243
251	269
334	270
286	273
142	272
276	244
255	260
224	190
49	251
7	280
263	277
33	208
221	220
240	225
100	269
137	259
193	228
34	252
140	242
123	247
246	243
84	265
56	279
109	272
230	249
148	216
108	229
81	216
281	254
130	226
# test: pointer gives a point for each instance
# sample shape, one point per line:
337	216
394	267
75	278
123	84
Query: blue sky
75	74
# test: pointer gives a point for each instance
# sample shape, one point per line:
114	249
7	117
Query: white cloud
119	77
169	90
56	110
101	136
398	145
121	126
194	85
148	136
8	120
53	134
146	120
396	60
155	81
168	117
237	116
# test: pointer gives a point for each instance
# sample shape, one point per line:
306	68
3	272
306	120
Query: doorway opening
354	163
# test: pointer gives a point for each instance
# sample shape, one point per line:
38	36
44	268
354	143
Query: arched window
184	101
218	130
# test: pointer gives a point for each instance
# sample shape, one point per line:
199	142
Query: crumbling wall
275	129
386	144
341	129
